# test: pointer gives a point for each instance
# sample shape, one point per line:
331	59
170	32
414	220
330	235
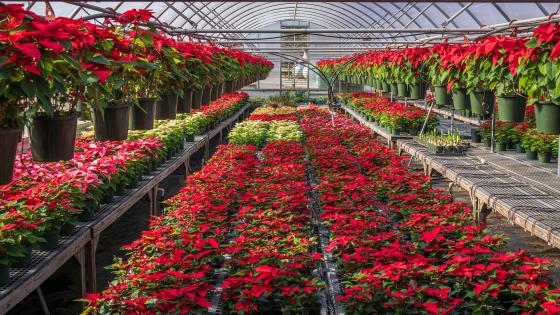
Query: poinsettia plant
539	67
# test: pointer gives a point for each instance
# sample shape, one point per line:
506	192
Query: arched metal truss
377	15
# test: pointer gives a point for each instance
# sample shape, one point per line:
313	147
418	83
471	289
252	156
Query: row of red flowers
271	256
405	248
172	266
43	197
389	114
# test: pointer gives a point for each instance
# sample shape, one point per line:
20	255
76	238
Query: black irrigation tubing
223	271
330	272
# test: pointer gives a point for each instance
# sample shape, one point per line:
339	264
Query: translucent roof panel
377	15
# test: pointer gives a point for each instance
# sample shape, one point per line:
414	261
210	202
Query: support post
91	249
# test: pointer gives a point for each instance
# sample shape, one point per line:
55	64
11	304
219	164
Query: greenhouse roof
337	25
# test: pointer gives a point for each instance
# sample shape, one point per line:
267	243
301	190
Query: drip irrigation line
330	272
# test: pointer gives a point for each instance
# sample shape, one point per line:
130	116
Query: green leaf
3	60
29	88
99	59
532	43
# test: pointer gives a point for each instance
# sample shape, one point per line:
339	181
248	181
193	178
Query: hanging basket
142	116
111	123
482	103
215	92
402	90
461	102
197	99
206	95
185	102
511	108
385	87
441	95
394	89
229	86
53	137
417	91
166	107
547	116
9	139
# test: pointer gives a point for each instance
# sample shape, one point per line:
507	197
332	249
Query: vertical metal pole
422	130
308	74
391	96
452	120
281	77
493	133
558	158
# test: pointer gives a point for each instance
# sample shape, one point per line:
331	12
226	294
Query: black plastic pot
166	107
197	99
184	105
475	136
51	239
206	95
214	93
111	123
229	86
142	116
53	138
4	274
9	139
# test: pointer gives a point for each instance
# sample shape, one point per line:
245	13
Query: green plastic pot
547	116
487	142
511	108
385	87
417	91
394	89
460	100
441	95
519	148
402	90
500	146
482	102
379	85
544	157
531	155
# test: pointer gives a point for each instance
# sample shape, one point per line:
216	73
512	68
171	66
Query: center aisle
248	232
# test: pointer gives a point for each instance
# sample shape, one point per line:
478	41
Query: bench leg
44	305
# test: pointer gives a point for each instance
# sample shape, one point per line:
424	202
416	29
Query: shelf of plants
244	231
78	199
512	70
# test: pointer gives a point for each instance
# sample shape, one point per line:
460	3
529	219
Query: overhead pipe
340	31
